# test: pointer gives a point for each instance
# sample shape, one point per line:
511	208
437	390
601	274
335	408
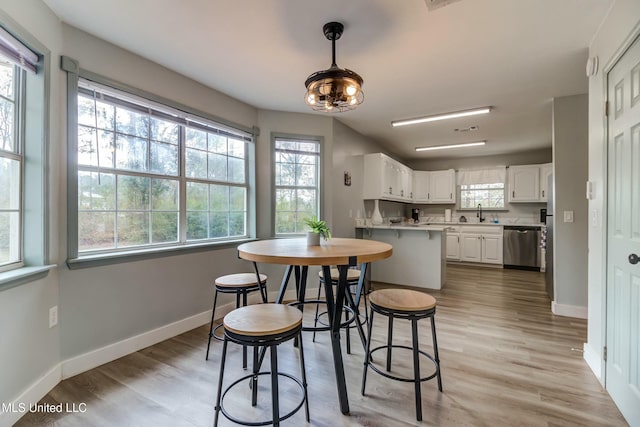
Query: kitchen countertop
440	226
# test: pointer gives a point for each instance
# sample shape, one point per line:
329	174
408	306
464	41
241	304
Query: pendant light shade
335	89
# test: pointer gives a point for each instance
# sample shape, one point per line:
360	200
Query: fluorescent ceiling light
444	116
445	147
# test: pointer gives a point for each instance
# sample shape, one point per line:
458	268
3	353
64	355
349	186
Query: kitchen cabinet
482	244
386	179
434	186
546	171
453	244
528	183
524	183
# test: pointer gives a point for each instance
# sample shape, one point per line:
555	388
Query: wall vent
437	4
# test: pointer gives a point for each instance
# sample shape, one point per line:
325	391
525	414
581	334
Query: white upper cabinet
442	185
524	182
434	186
421	190
546	171
528	183
386	179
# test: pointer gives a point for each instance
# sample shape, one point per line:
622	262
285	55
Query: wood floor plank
506	361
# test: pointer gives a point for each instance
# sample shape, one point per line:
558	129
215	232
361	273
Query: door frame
613	60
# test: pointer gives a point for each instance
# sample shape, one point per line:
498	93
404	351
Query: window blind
482	176
16	52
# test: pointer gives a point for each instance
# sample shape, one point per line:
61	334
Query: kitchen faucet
479	213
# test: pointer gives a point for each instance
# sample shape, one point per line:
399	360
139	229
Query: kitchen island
418	254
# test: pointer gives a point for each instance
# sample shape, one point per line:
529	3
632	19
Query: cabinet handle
451	195
411	194
390	190
542	193
428	196
458	239
513	194
402	193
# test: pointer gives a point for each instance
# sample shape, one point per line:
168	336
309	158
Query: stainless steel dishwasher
521	248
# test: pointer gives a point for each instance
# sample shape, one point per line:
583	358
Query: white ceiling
513	55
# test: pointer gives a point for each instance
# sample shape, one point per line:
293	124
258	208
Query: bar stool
409	305
240	284
353	279
266	326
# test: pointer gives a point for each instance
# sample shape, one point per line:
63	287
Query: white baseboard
594	360
100	356
569	310
31	396
84	362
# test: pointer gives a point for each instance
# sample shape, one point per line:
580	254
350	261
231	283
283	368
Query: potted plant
318	228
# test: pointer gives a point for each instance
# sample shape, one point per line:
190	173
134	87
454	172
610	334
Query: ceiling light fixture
443	116
335	89
445	147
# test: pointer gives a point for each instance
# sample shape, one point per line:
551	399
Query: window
482	187
487	195
150	175
296	182
11	163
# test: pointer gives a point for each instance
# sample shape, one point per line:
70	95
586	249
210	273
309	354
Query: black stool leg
304	379
254	380
315	321
224	357
213	314
367	355
416	369
244	347
275	404
435	351
389	341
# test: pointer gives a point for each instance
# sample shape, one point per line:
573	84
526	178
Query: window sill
101	259
12	278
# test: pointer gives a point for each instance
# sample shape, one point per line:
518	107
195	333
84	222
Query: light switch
568	216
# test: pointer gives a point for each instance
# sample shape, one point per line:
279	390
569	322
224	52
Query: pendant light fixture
335	89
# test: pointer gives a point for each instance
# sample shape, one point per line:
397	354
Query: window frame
36	133
320	178
485	208
78	259
19	93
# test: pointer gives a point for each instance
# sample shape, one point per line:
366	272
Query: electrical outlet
568	216
53	316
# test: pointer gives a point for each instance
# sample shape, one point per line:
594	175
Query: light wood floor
506	361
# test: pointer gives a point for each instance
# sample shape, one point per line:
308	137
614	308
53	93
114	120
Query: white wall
570	159
29	349
617	30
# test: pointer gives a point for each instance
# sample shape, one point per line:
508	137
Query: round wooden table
338	252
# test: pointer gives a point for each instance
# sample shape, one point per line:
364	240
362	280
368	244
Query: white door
623	235
492	249
470	247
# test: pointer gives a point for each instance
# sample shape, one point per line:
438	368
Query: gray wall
348	148
619	28
29	349
570	164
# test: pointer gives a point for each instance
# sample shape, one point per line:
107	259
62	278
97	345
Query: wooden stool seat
402	299
352	274
239	280
262	320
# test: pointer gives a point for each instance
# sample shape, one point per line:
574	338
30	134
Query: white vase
376	218
313	239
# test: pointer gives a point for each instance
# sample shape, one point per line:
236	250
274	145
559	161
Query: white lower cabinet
453	245
477	244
